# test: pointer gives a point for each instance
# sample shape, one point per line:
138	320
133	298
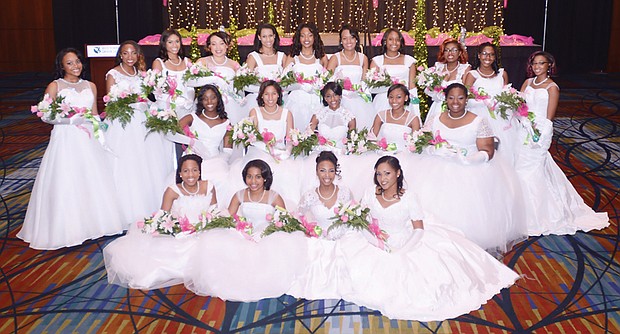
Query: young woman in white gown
210	125
554	206
464	184
73	198
307	57
143	261
352	64
398	65
138	188
394	123
266	59
217	61
333	121
233	266
432	273
451	60
487	75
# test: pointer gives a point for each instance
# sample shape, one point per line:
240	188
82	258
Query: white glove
442	151
545	127
178	138
227	152
203	150
75	120
474	158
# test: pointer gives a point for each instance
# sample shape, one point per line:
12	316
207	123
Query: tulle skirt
363	111
303	105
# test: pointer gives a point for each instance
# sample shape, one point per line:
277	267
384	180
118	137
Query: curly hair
317	46
163	53
331	157
463	57
354	33
140	64
220	34
395	164
221	111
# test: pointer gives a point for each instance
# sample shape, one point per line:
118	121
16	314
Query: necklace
540	83
310	57
209	117
269	55
458	117
189	192
388	200
391	57
318	190
399	117
135	72
486	75
218	64
253	201
177	64
347	59
77	82
270	112
452	71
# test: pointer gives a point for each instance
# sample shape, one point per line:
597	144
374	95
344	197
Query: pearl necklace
177	64
486	75
347	59
270	112
271	55
388	200
302	55
540	83
399	117
326	198
259	200
135	72
208	117
218	64
458	117
451	71
391	57
189	192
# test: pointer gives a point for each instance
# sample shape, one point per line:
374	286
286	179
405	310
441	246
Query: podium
102	58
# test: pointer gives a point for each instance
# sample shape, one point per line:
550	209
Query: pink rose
322	140
523	110
268	136
336	211
269	216
106	98
347	84
279	224
382	143
140	224
344	218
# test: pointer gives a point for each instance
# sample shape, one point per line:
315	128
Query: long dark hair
221	111
265	171
261	91
163	53
140	65
395	164
385	37
60	70
317	46
354	33
184	158
257	43
495	65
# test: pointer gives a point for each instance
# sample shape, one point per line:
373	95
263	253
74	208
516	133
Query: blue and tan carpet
570	284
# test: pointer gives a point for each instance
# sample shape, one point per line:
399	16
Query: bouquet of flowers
57	107
284	221
161	116
431	79
196	74
162	120
302	142
419	140
245	77
292	80
213	218
378	80
355	216
245	133
385	146
164	223
358	142
118	102
508	100
349	86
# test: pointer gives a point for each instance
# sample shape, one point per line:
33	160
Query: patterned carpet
570	284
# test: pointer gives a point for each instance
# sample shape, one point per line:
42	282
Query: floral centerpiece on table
245	77
419	140
356	216
161	115
164	223
302	142
378	79
358	142
284	221
118	102
431	79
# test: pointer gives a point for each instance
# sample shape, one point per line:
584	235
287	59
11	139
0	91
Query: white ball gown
483	200
393	132
235	107
400	73
267	71
430	275
334	124
439	97
227	265
304	102
73	198
505	130
139	174
554	206
185	103
363	111
144	261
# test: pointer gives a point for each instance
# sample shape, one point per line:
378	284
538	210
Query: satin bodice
126	82
308	70
537	100
491	86
400	72
353	72
394	133
269	71
256	213
212	137
465	136
275	126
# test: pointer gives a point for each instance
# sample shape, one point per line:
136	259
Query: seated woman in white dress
398	65
73	198
464	184
431	274
307	57
333	121
216	60
351	64
554	206
394	123
248	267
266	59
452	62
144	261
